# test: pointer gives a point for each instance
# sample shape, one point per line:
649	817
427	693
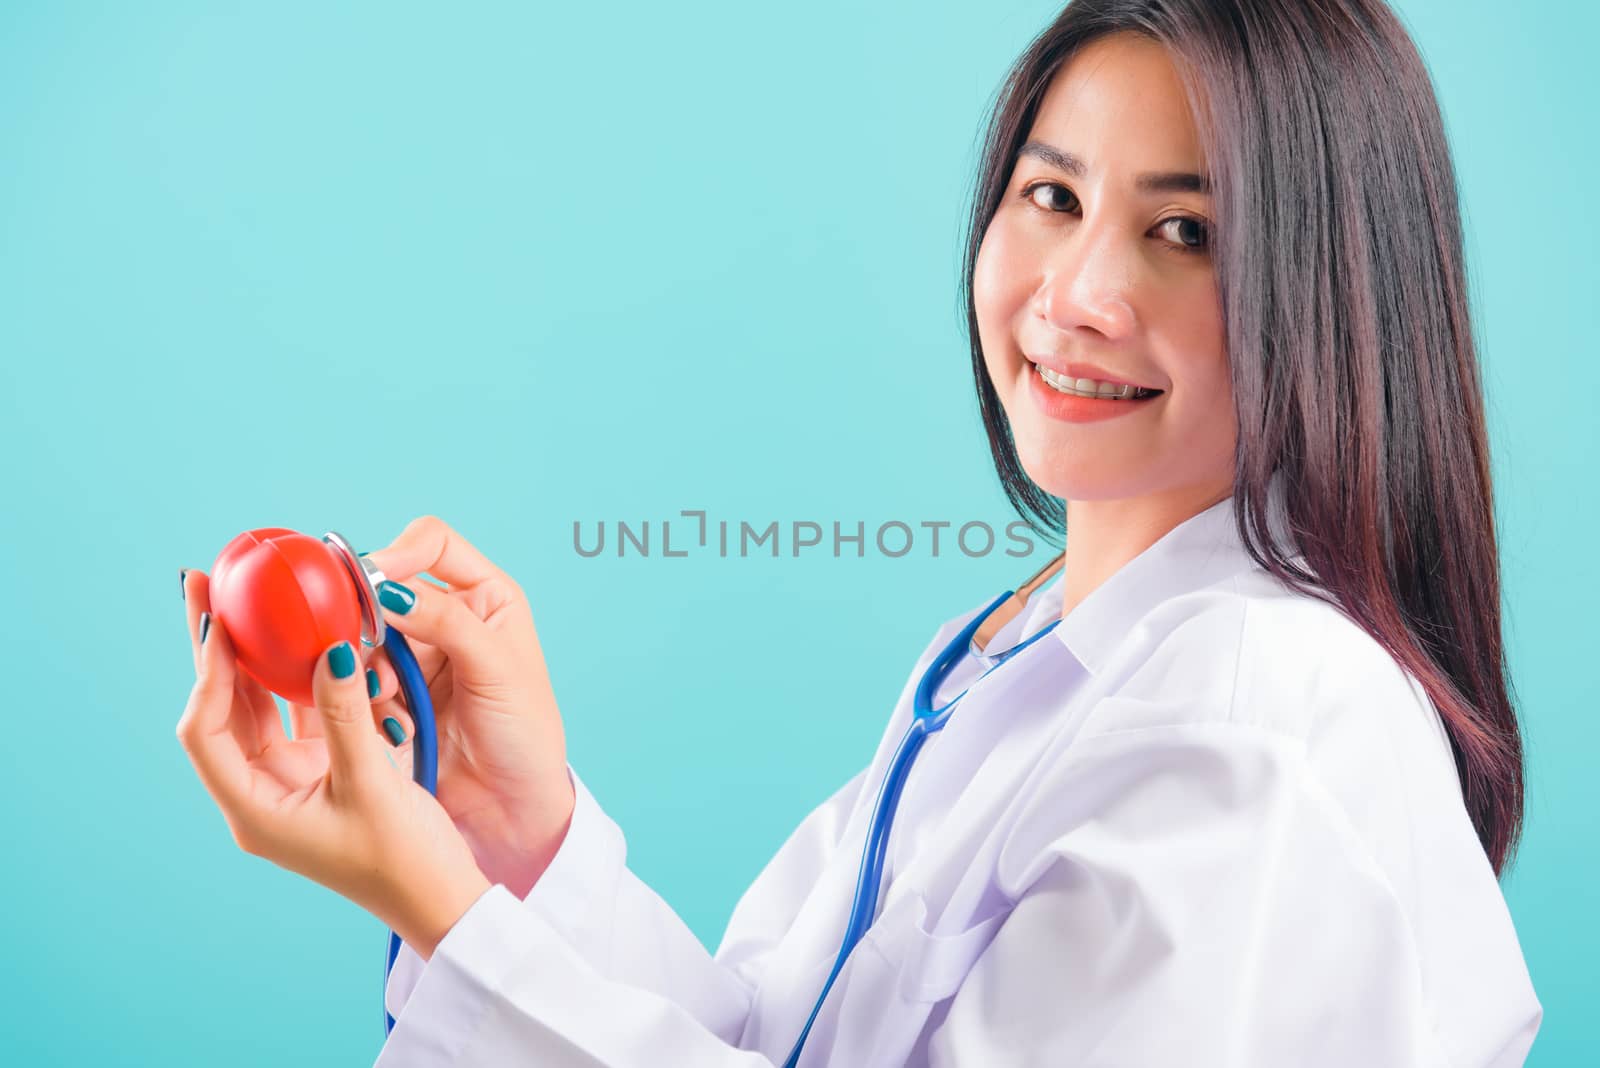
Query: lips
1065	407
1080	369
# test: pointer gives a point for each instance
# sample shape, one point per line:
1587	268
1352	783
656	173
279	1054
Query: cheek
999	294
1195	329
1191	322
1210	327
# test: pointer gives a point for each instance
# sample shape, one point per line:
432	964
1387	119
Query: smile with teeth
1089	387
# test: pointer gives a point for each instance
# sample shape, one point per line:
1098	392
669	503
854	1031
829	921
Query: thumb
340	689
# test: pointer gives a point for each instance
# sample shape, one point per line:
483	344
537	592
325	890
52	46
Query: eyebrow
1150	182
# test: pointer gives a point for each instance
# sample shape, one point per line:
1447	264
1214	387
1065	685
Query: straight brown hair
1338	247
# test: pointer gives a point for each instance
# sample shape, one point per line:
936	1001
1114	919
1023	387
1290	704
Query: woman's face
1084	264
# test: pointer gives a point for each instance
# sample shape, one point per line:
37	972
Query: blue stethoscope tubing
925	720
424	757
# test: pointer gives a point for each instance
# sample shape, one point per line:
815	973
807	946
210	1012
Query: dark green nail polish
183	573
205	625
392	728
372	683
342	660
395	597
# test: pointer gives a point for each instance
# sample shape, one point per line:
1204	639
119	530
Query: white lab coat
1207	821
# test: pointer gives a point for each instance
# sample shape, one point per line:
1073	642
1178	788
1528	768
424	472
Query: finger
387	688
208	731
265	725
196	602
355	752
396	704
264	714
429	544
304	721
387	703
382	688
444	622
398	731
400	754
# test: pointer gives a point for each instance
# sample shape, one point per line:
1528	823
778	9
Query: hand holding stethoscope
501	777
330	806
502	750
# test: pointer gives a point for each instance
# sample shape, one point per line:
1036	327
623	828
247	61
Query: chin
1066	472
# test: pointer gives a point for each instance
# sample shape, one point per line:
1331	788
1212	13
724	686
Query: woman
1244	804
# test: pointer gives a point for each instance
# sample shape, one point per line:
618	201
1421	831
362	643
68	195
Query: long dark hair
1337	243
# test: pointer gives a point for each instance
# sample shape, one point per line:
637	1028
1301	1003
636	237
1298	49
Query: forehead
1119	100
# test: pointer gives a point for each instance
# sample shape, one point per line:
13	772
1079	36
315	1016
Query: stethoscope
925	720
284	597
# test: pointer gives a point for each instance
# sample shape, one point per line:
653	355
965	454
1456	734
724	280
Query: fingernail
395	597
205	625
372	683
342	660
183	573
392	728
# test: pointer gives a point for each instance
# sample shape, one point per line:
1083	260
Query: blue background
335	268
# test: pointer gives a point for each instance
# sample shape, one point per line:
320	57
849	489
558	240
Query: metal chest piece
365	576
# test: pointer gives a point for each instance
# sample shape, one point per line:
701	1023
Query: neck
1103	535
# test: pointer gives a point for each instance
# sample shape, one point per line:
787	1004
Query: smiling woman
1251	207
1229	783
1247	806
1094	276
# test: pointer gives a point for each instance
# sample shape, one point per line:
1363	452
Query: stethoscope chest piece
364	576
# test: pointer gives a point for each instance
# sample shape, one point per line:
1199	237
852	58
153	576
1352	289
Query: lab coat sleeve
504	988
1190	894
593	967
588	865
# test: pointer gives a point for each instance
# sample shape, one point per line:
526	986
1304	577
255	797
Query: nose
1087	284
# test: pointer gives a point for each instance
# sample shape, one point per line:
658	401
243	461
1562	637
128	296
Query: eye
1196	239
1028	191
1192	236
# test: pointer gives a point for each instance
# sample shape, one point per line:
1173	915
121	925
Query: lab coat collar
1201	550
